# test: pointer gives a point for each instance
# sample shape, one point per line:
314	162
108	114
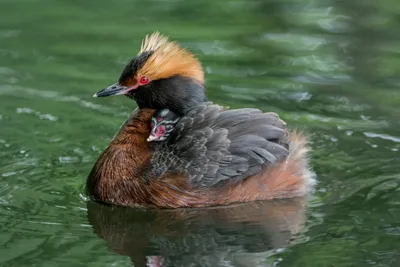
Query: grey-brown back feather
213	145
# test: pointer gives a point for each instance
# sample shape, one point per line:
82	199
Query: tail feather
290	178
298	162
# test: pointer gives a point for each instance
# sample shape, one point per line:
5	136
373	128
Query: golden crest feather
168	59
152	42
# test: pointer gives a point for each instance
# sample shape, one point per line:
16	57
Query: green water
330	68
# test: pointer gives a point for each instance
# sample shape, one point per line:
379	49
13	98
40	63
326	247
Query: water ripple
382	136
37	113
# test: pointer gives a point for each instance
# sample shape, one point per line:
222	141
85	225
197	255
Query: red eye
159	119
144	80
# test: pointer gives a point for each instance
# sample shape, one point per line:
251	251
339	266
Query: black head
163	75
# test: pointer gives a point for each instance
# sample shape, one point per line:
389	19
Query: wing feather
213	145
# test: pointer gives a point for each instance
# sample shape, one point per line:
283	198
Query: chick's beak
151	138
114	89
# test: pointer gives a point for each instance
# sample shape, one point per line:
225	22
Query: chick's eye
144	80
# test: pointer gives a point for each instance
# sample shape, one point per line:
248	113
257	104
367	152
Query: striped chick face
162	124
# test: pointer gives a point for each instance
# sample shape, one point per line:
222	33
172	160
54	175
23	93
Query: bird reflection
239	235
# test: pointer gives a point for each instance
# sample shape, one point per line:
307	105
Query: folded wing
213	145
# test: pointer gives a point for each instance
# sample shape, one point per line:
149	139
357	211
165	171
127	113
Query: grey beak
114	89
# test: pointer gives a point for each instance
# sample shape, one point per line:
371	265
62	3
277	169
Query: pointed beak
151	138
114	89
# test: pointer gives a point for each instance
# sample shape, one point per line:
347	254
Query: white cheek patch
164	112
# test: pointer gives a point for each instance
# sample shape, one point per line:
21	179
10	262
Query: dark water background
330	68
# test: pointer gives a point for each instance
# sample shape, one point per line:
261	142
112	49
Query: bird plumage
213	146
213	156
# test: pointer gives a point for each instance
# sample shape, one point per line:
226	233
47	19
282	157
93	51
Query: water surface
330	68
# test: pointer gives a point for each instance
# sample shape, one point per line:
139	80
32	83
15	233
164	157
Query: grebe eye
159	119
144	80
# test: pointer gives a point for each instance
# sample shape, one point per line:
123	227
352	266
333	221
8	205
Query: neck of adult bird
119	168
177	93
